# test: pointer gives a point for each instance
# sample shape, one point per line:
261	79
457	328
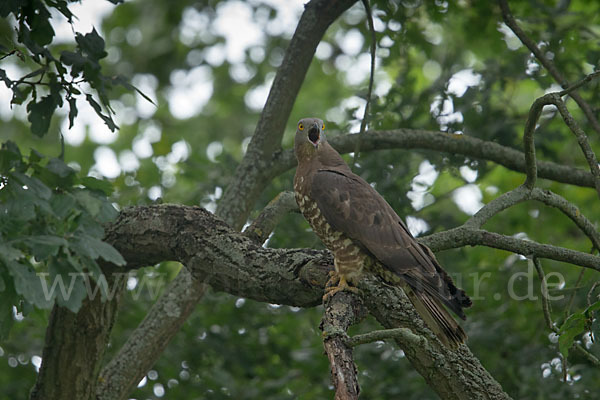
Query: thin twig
532	46
591	358
582	82
462	236
545	302
589	294
402	334
570	210
572	295
548	318
529	147
363	123
588	153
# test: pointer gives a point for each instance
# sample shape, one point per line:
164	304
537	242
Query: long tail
437	318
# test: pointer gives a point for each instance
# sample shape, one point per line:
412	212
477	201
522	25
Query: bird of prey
364	233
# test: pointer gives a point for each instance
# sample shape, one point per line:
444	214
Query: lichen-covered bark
233	263
341	311
454	375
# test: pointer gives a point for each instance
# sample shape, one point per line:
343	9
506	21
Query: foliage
243	349
56	77
51	231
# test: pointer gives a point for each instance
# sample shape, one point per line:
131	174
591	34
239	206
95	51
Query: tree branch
452	374
250	176
147	342
74	347
444	142
398	334
262	226
373	48
463	236
341	311
231	262
530	44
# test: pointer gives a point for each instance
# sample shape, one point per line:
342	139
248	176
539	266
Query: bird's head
309	136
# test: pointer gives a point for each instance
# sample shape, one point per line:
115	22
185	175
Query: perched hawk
364	233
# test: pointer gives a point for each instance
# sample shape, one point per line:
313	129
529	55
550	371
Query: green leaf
58	167
97	184
72	110
573	326
63	204
75	60
35	156
20	94
91	44
9	253
107	119
27	284
10	157
69	289
38	18
94	248
591	309
89	203
40	115
34	184
44	246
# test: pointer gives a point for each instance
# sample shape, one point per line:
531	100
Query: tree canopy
119	117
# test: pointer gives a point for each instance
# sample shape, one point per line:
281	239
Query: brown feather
340	205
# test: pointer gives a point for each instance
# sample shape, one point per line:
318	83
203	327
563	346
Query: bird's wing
351	205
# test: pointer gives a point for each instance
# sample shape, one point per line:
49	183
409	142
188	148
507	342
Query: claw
337	283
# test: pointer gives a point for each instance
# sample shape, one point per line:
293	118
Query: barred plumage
365	234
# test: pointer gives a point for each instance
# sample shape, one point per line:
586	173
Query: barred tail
438	319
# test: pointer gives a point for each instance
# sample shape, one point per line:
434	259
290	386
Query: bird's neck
330	158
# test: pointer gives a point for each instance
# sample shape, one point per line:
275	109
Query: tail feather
438	319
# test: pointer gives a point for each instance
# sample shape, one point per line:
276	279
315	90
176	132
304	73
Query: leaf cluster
51	231
57	78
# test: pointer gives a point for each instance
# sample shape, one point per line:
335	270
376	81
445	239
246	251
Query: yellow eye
323	127
301	127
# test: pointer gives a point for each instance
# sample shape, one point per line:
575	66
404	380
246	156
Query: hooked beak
314	134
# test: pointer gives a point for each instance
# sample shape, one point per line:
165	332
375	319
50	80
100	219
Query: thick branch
448	143
532	46
74	347
250	177
452	374
342	311
231	262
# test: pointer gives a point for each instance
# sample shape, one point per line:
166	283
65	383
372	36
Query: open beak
314	134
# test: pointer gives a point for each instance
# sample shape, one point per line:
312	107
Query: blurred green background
441	66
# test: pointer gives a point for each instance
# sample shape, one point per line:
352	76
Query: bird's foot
337	283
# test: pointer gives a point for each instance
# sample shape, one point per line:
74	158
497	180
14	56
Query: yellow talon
337	283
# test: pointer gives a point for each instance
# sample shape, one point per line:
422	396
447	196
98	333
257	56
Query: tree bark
229	261
122	374
74	346
341	311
